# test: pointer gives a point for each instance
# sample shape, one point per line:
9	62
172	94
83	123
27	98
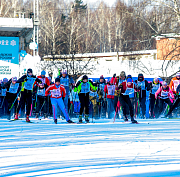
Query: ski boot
37	115
27	118
86	118
80	118
125	118
55	121
16	116
133	120
70	121
45	116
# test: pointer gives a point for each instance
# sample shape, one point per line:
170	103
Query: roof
16	27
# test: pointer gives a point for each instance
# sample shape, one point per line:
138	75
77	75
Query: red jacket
44	80
56	92
124	86
109	90
113	80
164	93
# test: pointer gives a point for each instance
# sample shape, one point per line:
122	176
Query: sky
100	149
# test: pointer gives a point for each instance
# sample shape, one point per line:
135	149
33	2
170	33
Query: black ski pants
84	100
41	104
125	100
25	98
161	104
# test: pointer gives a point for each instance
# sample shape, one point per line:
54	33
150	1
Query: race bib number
41	92
164	94
29	83
3	92
13	88
142	85
111	90
56	93
129	91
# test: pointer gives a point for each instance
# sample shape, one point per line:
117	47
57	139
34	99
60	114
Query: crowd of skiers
119	96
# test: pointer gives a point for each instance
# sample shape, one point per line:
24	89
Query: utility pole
36	26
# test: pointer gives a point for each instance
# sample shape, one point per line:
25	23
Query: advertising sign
8	70
9	49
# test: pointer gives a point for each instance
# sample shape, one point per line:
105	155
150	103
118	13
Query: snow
43	148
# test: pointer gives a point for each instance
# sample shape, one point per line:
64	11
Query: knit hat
84	77
140	77
129	76
178	74
5	80
14	79
29	70
64	71
156	79
57	80
164	83
123	74
101	77
129	80
43	73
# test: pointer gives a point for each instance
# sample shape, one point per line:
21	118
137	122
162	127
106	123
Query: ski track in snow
105	149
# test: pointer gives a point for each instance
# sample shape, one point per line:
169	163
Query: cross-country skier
142	87
3	98
58	93
67	81
127	88
154	108
101	102
165	95
109	90
13	89
175	81
41	100
27	82
83	88
176	103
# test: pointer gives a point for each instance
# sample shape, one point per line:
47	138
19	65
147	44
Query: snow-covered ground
151	148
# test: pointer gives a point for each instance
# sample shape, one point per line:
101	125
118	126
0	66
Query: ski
14	120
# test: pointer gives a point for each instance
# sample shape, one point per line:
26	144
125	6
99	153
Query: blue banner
9	49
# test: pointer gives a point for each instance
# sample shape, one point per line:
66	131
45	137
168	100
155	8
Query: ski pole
42	106
2	102
16	98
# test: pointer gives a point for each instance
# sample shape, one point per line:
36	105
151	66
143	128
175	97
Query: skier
176	103
74	100
58	93
94	98
83	88
165	95
127	88
27	82
109	90
3	98
41	100
13	89
101	94
67	82
154	86
44	79
175	81
142	87
119	80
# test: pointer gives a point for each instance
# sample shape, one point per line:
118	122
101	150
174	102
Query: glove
71	102
114	75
